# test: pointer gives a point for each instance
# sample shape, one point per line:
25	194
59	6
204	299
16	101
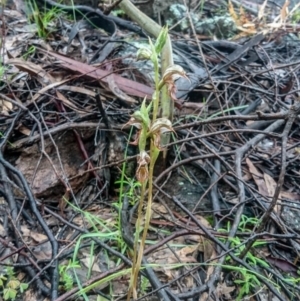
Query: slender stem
135	260
156	92
167	111
154	154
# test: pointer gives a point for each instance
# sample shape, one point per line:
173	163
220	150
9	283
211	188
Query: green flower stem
155	97
167	104
154	152
167	111
166	56
143	137
137	250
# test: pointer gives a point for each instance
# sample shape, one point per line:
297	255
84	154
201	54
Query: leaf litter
225	162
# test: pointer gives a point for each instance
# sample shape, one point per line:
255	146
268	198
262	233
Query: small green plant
246	282
296	17
131	192
10	285
65	274
42	18
133	187
151	132
31	50
244	278
247	222
293	280
239	246
101	229
144	284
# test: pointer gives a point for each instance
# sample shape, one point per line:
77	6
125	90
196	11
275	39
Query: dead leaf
241	21
165	259
159	210
284	265
203	221
33	69
42	251
76	89
68	103
187	254
284	11
271	187
209	272
290	195
45	89
208	249
35	236
24	130
88	261
224	290
117	92
232	12
46	177
128	86
261	11
6	107
32	295
258	178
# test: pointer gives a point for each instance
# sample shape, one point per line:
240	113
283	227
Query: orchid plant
150	130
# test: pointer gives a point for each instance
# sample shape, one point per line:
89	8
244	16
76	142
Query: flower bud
143	54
